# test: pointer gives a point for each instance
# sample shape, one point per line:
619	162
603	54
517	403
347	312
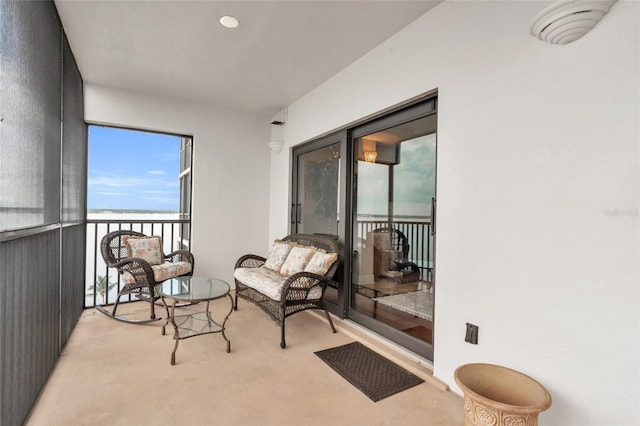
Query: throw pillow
146	248
277	255
321	262
297	260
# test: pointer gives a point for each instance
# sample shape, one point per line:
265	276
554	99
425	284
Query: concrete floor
120	374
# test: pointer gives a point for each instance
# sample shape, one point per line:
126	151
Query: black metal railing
103	284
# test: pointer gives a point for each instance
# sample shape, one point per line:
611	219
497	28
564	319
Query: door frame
390	119
414	108
344	207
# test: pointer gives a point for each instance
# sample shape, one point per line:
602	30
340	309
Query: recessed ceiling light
229	21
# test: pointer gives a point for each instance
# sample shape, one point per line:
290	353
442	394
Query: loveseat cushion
268	282
277	255
297	259
321	262
162	272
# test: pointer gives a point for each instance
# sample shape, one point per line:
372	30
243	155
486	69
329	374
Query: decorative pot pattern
499	396
479	415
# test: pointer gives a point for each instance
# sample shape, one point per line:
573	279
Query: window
133	171
136	180
185	177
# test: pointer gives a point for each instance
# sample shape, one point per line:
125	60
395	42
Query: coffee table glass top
194	289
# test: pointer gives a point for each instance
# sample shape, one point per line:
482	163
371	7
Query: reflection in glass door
315	204
317	195
392	272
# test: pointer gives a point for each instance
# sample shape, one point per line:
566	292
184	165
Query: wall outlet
472	334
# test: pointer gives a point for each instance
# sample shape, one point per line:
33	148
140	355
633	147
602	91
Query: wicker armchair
141	276
299	291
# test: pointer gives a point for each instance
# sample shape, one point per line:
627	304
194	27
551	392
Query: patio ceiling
177	49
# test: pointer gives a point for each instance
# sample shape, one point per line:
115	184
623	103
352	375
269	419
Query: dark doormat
371	373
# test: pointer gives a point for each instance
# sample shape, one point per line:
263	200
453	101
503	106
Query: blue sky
133	170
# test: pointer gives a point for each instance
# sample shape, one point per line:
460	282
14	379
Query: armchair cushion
146	248
382	240
297	259
277	255
162	272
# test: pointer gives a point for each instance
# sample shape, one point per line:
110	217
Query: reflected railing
102	284
418	234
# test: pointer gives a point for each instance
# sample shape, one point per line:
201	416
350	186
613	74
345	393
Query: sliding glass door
316	209
372	187
392	265
315	205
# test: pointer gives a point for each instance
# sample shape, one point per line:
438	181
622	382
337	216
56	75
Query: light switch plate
472	334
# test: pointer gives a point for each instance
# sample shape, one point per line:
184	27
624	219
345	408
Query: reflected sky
414	181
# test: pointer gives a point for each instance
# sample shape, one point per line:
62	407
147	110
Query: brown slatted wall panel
29	294
72	297
74	189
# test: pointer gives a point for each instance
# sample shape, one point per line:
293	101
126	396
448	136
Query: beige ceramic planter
495	395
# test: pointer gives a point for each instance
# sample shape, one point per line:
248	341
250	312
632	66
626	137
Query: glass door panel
315	208
318	176
393	249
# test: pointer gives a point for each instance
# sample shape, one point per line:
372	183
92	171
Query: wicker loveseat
293	278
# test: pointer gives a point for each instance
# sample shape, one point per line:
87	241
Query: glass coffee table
193	290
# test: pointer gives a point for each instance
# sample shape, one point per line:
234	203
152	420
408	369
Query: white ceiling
177	49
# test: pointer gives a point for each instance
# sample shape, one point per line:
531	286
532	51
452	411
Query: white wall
538	192
230	170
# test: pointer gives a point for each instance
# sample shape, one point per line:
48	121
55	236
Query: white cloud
152	191
115	194
115	181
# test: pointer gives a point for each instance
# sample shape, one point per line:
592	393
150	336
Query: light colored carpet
418	303
120	374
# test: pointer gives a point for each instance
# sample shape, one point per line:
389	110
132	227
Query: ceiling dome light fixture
229	21
566	21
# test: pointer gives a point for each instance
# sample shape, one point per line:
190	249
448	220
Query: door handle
433	216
